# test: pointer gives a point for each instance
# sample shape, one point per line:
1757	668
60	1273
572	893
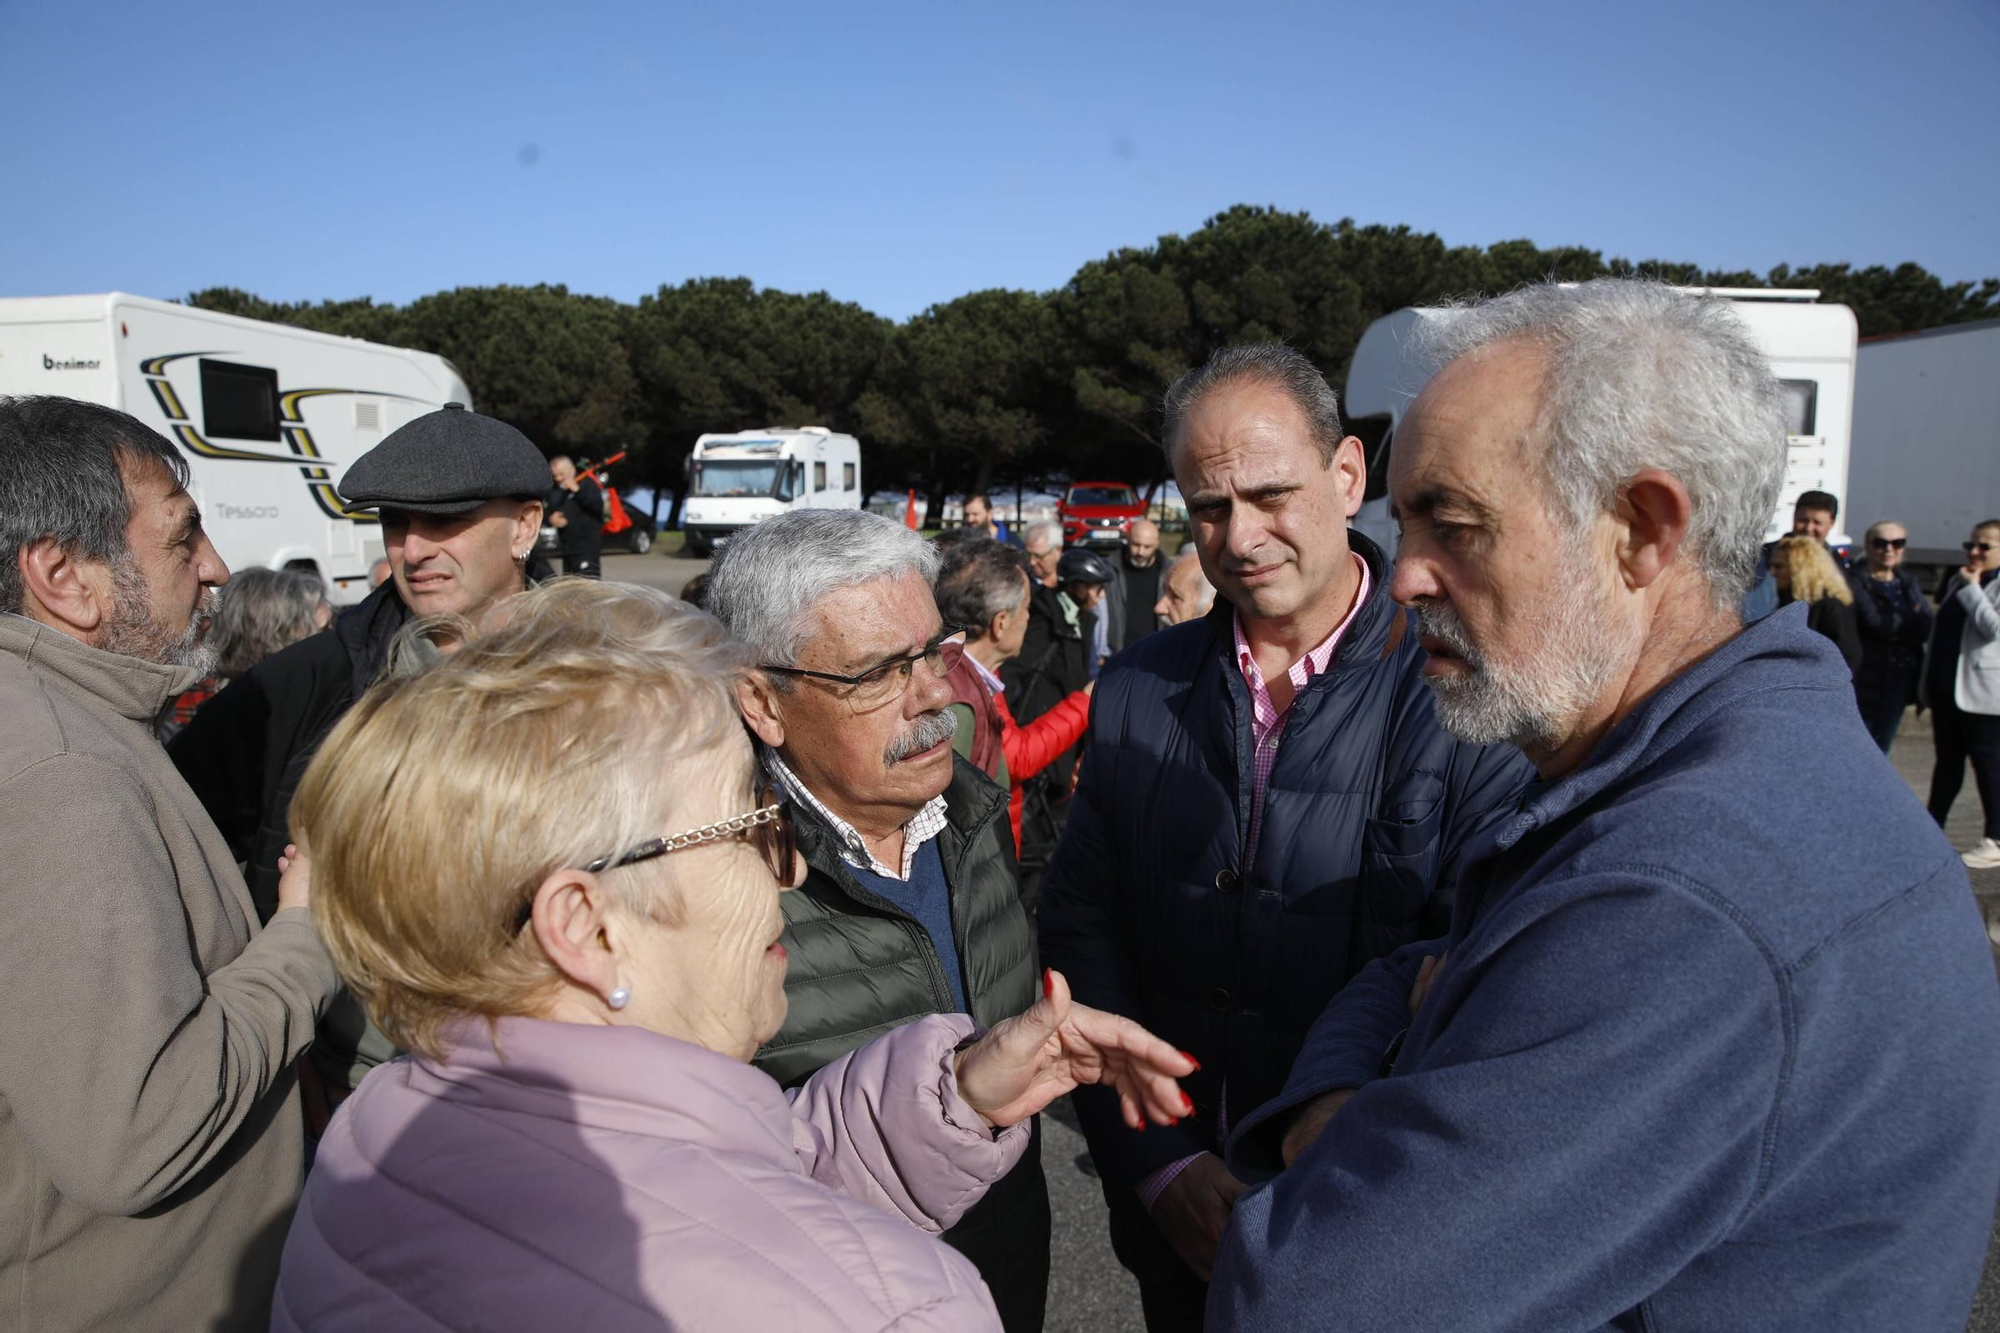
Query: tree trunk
934	516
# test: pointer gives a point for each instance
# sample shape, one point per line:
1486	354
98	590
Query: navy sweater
1714	1049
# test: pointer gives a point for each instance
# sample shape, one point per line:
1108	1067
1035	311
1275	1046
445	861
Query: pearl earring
619	998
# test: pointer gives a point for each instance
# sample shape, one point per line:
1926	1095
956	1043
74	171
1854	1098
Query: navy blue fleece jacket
1714	1048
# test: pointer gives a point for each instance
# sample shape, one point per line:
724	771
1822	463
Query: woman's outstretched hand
1029	1060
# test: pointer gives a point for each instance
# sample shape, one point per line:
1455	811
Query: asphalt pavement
1089	1292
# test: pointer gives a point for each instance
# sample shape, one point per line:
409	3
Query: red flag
910	513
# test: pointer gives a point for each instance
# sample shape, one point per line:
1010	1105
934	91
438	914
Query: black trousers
1960	736
583	564
1006	1235
1170	1295
1882	705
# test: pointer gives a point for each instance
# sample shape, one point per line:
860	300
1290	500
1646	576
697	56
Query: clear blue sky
903	155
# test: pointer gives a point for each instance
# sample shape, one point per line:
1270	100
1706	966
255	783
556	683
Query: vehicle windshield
1102	495
737	476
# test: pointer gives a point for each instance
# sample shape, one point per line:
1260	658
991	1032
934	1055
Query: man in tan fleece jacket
150	1135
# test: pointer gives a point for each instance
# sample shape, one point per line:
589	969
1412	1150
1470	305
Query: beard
1532	700
133	632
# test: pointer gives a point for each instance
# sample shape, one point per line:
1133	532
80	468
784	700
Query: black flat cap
446	462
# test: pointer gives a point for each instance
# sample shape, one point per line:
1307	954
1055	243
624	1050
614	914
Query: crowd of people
520	950
1903	648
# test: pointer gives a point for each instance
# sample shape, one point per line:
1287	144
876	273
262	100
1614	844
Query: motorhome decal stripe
288	402
206	450
331	506
156	366
163	393
301	441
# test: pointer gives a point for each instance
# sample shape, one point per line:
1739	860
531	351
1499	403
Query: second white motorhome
268	415
1811	347
744	477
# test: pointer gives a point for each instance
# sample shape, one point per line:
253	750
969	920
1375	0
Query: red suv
1097	513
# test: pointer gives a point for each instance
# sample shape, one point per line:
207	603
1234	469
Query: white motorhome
269	416
1811	347
1927	435
744	477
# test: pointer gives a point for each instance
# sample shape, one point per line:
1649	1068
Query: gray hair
769	580
1274	364
1048	528
1193	557
1643	376
261	611
62	465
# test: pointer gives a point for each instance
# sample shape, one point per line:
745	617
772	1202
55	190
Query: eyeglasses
879	685
1976	548
769	827
1888	543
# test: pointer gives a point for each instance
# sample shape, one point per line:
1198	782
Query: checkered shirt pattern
926	824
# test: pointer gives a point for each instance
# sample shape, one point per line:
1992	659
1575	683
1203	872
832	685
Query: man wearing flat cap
459	496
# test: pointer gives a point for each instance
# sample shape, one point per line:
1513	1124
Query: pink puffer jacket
612	1178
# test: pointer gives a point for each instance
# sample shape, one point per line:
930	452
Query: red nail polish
1142	1124
1187	1103
1191	1060
1049	982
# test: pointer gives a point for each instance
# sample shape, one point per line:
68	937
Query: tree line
996	388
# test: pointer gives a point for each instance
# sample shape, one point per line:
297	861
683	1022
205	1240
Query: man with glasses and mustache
1709	1043
910	903
152	1134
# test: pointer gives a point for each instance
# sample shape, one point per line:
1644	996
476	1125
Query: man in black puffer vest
460	501
910	904
1266	803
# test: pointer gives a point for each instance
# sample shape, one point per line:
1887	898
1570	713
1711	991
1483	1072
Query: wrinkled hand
1031	1059
1310	1123
1193	1210
558	520
294	878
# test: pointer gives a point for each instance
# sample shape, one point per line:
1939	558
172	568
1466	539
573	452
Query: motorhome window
239	402
1102	495
1801	401
847	476
819	476
737	476
1373	432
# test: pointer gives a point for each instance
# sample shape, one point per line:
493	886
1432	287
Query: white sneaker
1984	855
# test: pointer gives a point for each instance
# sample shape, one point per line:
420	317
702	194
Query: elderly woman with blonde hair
1805	572
549	866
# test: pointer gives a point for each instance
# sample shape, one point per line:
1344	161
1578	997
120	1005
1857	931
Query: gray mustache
928	730
1436	621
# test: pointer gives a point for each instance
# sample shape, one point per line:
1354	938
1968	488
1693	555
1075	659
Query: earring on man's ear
619	998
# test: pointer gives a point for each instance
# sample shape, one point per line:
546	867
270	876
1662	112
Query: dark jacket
1148	908
247	748
1684	1068
860	965
582	533
1054	661
1894	620
1835	619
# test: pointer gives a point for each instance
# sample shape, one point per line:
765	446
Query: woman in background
1894	618
1805	572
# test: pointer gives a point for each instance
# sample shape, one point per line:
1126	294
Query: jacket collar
136	690
366	630
971	801
1366	641
623	1079
1775	653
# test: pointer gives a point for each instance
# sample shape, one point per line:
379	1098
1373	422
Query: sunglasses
1888	543
1976	548
769	828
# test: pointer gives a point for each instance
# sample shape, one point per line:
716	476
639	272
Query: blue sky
903	155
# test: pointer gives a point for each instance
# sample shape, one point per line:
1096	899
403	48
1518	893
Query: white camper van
743	478
269	416
1811	347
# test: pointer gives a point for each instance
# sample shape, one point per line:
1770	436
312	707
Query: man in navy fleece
1675	1067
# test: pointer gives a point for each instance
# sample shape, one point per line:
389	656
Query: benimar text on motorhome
269	416
744	477
1810	345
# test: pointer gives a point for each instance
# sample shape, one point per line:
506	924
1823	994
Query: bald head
1185	592
1142	543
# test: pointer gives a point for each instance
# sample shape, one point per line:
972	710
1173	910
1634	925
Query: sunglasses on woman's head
1888	543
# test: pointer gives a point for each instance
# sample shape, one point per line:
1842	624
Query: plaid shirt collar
926	824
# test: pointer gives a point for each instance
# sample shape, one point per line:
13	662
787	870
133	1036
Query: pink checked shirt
1267	727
